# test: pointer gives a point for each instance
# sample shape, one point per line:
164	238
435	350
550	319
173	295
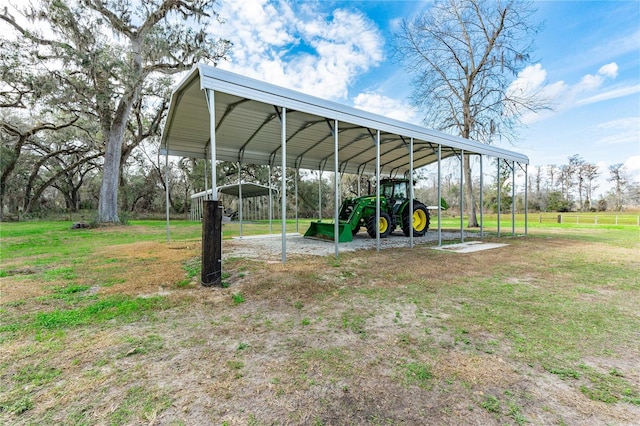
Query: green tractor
358	212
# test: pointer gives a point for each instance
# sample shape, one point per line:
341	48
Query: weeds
140	405
418	374
491	404
18	406
237	298
36	375
354	322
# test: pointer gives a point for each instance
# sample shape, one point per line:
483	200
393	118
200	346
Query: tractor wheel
421	220
385	225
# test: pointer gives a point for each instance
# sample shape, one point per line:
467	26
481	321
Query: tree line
86	85
572	186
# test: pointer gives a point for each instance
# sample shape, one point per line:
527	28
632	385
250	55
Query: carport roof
248	129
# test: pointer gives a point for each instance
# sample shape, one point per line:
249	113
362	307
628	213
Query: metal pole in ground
297	171
166	185
336	189
270	202
378	190
284	185
513	198
319	195
498	191
240	215
526	199
411	193
462	196
439	195
481	197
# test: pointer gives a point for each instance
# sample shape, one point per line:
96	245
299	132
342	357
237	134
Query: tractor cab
396	191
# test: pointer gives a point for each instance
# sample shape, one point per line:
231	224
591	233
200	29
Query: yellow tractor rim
383	225
419	220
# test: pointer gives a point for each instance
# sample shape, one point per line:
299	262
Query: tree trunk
108	204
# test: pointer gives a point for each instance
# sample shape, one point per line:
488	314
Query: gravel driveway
270	246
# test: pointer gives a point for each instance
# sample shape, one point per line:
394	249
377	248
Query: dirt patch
145	268
486	370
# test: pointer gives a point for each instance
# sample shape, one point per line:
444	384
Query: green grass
116	307
140	404
418	374
36	375
17	406
491	404
237	298
55	241
570	298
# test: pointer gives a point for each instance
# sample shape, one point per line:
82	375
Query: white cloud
530	79
383	105
591	88
618	92
302	49
620	131
609	70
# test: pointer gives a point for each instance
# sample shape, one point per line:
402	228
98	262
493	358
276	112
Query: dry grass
396	337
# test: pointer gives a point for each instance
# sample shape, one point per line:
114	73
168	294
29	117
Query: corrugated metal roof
248	129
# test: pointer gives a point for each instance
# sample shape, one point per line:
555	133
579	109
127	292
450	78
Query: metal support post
336	188
240	216
513	198
498	190
378	190
439	195
526	200
481	197
462	195
283	208
411	195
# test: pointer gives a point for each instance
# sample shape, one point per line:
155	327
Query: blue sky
588	61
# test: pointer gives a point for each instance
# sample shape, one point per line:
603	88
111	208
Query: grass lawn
111	326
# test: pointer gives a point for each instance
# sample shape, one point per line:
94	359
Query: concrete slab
263	236
469	247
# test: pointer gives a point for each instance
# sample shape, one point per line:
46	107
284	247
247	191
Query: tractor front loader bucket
326	231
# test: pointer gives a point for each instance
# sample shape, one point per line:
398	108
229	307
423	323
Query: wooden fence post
211	243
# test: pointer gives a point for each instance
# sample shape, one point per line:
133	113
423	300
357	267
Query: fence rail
587	219
550	219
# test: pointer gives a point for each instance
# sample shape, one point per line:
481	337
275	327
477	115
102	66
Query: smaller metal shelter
241	190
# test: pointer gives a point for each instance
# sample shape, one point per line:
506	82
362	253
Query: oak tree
464	56
105	52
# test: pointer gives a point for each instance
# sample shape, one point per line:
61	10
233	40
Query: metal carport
260	123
